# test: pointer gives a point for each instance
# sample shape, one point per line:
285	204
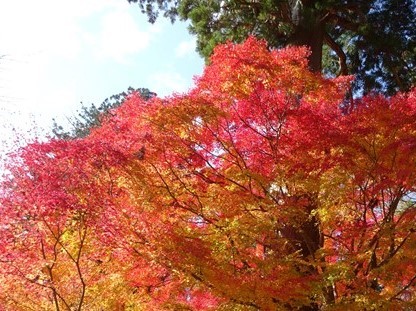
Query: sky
55	54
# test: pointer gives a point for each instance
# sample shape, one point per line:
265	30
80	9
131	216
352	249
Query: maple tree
260	189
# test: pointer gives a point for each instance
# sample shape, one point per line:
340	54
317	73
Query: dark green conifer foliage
372	39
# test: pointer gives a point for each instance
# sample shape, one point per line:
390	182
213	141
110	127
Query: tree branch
410	283
343	71
340	21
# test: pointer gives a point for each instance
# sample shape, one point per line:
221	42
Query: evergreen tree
372	39
91	116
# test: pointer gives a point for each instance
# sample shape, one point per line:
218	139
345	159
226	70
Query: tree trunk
306	239
309	31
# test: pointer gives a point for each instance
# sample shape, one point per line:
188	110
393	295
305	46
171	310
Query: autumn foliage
260	189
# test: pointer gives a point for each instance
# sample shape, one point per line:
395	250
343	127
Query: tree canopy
374	40
255	190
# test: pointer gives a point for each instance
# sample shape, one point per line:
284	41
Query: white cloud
36	34
44	26
51	46
119	37
185	48
55	28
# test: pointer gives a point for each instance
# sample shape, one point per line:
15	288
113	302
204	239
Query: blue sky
57	53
